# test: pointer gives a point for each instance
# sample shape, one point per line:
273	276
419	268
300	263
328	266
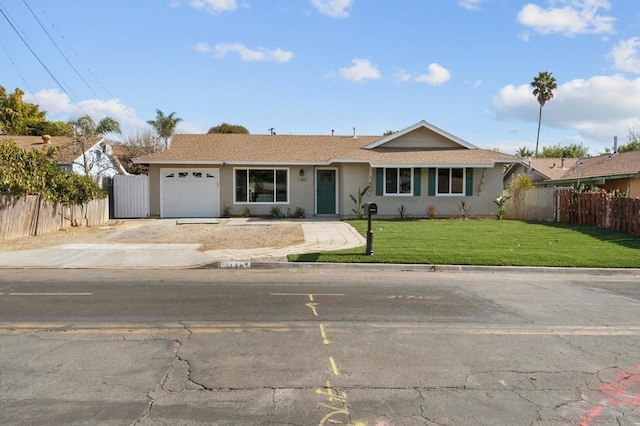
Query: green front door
326	191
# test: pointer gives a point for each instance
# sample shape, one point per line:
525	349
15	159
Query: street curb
416	267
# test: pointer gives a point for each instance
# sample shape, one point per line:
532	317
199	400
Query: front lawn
489	242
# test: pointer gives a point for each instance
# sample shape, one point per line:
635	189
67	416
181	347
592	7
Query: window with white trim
450	181
261	185
398	181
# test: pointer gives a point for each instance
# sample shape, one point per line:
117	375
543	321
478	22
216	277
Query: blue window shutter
416	182
432	182
469	184
379	181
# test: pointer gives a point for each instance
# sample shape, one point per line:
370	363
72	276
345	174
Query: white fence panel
131	196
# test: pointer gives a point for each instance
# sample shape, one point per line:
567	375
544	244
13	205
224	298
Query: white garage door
189	193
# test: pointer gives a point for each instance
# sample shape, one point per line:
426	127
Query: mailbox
371	208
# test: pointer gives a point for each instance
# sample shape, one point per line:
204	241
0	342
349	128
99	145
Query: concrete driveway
319	235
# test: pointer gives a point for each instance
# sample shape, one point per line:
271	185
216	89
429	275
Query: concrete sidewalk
321	235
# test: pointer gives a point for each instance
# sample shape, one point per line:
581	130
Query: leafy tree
228	128
165	126
25	172
543	86
520	184
634	141
26	119
85	134
388	132
569	151
524	152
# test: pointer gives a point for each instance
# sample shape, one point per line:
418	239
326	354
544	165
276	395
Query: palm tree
543	86
165	126
524	152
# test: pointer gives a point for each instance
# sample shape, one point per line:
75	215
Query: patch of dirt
211	236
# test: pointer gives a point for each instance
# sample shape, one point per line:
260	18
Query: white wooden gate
131	196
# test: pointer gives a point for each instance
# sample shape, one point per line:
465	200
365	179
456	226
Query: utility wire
59	50
35	54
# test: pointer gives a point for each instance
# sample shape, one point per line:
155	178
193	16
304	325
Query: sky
313	66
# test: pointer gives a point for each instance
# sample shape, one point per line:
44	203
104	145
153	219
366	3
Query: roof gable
421	135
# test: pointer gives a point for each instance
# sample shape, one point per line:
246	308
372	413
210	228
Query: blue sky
312	66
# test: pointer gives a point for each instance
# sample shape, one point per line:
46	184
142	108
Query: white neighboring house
96	159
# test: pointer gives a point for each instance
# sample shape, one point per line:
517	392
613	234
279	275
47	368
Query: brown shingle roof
551	168
297	149
68	151
625	163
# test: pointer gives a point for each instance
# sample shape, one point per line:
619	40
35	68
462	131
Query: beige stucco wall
354	176
350	178
623	185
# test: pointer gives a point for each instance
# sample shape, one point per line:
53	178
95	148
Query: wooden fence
598	209
534	204
31	215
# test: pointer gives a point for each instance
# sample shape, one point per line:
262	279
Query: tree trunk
538	136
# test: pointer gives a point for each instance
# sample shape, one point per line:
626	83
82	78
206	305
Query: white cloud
471	4
436	76
626	55
221	50
402	76
59	106
571	18
362	69
577	105
174	4
215	7
333	8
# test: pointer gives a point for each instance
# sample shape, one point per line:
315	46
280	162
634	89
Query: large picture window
261	185
451	181
398	181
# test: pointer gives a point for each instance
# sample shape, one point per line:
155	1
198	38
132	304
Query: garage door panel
189	193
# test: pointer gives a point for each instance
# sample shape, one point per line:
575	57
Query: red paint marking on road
619	394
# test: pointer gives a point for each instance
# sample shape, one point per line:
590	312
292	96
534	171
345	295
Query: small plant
402	211
431	211
358	201
275	211
246	212
465	209
226	211
501	201
299	212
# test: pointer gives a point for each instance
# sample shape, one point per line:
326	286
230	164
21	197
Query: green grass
489	242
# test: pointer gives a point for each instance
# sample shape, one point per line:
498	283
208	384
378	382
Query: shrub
500	202
402	211
431	211
275	211
246	212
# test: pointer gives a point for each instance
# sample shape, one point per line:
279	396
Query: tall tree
21	118
228	128
165	126
543	86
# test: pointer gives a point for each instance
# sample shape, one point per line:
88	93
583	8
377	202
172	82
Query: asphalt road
308	347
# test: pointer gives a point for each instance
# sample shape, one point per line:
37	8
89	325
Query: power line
35	54
59	50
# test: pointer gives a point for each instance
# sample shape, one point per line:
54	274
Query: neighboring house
610	172
419	167
96	159
539	169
